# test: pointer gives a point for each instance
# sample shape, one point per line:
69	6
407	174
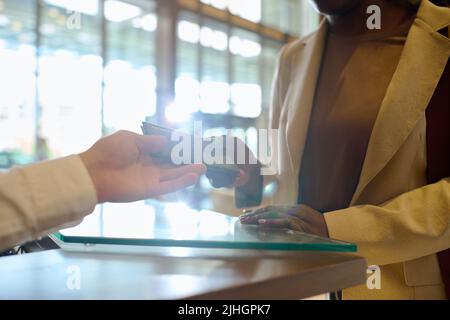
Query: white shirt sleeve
42	197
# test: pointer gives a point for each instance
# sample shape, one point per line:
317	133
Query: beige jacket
398	221
43	197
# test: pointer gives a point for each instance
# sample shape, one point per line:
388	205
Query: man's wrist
90	166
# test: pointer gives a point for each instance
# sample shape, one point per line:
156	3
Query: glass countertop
152	223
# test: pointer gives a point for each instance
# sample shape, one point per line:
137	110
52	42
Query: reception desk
204	255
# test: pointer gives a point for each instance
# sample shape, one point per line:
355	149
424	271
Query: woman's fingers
288	223
279	209
253	219
274	219
298	218
174	173
241	179
275	223
258	211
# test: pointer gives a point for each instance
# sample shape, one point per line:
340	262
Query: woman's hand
300	218
122	169
249	170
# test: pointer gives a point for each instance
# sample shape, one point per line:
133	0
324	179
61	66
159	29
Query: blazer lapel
420	67
300	96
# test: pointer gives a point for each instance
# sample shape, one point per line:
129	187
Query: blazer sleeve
409	226
280	83
40	198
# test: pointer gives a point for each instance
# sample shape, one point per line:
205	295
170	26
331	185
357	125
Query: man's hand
300	218
123	170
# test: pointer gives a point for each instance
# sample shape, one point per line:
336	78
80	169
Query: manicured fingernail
262	221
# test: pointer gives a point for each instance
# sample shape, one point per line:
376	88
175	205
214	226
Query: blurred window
17	81
214	79
296	17
69	77
246	87
130	72
74	70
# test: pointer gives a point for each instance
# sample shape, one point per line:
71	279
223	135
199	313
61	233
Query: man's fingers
173	185
150	144
173	173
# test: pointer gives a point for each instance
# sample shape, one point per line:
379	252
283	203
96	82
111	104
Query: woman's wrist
250	194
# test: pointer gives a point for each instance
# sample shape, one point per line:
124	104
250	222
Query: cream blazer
43	197
397	221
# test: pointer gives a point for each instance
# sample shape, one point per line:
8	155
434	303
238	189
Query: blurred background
74	70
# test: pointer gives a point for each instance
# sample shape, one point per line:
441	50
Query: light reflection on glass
141	220
131	220
182	221
90	225
153	223
213	225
